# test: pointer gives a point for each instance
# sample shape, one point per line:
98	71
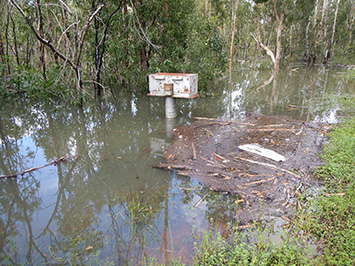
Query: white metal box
173	84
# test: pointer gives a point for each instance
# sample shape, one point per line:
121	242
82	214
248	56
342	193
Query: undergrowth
214	250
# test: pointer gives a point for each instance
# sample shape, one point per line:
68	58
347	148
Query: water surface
104	204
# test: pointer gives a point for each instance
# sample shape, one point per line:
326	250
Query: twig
171	166
287	198
33	169
259	181
335	194
220	157
245	226
193	151
270	129
186	188
299	132
270	165
201	199
268	51
273	125
209	132
286	219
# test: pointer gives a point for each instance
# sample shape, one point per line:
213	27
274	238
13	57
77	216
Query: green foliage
143	37
28	83
206	53
171	37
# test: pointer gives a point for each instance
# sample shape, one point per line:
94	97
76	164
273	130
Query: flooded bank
105	204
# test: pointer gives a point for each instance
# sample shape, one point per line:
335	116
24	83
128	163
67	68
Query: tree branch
268	51
34	168
84	32
42	40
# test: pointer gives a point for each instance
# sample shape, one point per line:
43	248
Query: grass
335	216
329	220
214	250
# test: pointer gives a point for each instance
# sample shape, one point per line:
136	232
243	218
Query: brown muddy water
104	205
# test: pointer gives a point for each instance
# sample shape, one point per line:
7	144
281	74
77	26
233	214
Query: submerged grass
329	220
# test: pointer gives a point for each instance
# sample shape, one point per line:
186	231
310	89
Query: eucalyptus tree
278	11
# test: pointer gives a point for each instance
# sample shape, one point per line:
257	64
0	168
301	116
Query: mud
207	150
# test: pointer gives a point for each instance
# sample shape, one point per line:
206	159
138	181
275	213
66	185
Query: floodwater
104	204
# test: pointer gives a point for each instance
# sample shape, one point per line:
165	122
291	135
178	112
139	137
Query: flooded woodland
103	204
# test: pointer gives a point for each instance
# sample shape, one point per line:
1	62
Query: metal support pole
170	124
170	111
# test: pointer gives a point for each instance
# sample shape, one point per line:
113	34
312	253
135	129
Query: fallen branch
33	169
223	120
170	166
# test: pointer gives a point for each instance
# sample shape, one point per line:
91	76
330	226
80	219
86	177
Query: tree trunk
234	18
278	42
290	43
2	51
41	45
320	34
98	88
327	52
15	41
307	53
28	51
99	53
279	21
7	40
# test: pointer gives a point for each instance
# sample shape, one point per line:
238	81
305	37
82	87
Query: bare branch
42	40
64	32
268	51
67	8
84	32
141	29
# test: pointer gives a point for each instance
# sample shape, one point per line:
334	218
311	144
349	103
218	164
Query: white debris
257	149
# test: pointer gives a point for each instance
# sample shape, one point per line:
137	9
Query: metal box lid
177	85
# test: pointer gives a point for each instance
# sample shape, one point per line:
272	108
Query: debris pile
266	160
